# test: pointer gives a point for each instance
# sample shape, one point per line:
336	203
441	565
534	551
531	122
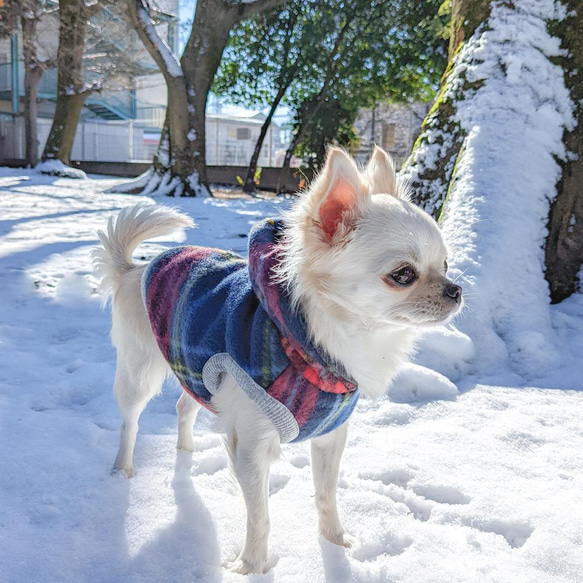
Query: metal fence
229	141
121	141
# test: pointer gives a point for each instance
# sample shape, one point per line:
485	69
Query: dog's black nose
453	291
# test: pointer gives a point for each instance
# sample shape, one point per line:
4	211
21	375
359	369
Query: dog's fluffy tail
125	232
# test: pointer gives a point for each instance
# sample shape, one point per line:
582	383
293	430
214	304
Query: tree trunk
249	185
32	75
311	108
496	149
200	61
282	183
181	153
62	135
564	244
213	21
161	160
172	168
71	93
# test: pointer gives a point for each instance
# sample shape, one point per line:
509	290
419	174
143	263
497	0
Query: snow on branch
157	47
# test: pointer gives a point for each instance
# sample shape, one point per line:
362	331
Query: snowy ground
481	486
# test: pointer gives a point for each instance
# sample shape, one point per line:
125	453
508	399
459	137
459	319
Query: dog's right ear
380	172
341	194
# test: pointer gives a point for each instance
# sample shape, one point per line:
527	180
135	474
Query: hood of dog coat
316	366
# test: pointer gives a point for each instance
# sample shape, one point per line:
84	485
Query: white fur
350	311
336	279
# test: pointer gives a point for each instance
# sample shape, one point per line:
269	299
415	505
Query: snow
418	383
173	67
57	168
478	481
447	351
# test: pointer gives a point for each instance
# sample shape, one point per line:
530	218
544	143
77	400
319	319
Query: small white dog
281	348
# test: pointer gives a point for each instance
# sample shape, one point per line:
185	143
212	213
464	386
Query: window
388	136
243	133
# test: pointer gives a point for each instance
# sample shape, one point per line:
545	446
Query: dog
327	309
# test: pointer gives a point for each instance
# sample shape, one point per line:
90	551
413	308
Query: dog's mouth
425	319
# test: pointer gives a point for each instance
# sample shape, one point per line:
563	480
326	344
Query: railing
48	88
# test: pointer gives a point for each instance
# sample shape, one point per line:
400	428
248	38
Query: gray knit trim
276	412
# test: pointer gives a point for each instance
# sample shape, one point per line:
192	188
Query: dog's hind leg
134	387
326	453
141	368
187	409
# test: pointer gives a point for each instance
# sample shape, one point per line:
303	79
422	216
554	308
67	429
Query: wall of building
393	127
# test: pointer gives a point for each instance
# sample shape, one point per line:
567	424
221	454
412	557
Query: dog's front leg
326	453
251	457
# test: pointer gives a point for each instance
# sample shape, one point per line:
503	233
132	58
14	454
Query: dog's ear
343	195
380	173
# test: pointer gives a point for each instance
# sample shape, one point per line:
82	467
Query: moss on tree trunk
430	178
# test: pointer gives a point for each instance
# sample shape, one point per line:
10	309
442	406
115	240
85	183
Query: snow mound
447	351
132	186
417	383
57	168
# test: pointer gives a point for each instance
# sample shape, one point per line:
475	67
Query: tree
8	17
72	91
499	161
97	51
430	181
336	57
264	56
333	124
34	67
36	61
377	49
179	167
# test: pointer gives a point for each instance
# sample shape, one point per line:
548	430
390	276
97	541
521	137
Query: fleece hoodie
213	312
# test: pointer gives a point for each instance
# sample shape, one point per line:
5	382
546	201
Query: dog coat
212	312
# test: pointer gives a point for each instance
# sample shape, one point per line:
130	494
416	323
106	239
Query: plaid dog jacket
212	312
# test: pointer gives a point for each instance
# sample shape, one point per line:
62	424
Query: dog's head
360	245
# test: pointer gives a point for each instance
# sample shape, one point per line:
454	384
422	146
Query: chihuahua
279	346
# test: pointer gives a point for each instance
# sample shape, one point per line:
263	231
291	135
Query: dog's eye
445	266
405	275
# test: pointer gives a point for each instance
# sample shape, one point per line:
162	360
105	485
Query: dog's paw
244	566
340	538
127	472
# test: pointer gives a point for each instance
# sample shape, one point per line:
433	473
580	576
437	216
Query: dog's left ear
342	194
380	173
